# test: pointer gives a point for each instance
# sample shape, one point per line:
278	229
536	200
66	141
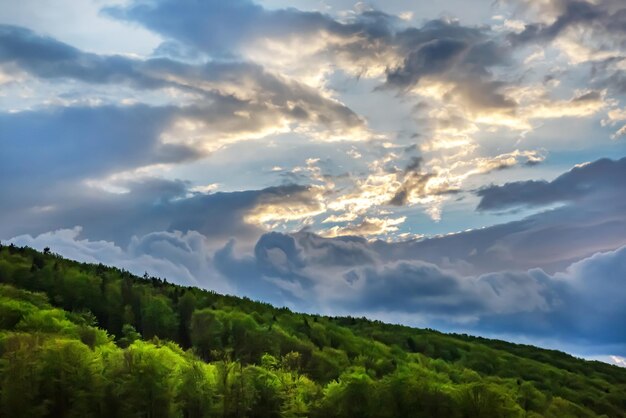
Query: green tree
157	318
71	384
206	333
197	390
143	378
129	336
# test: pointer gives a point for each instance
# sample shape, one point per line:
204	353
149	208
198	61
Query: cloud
46	153
219	28
459	55
570	305
222	101
587	309
591	222
69	141
183	257
274	210
141	204
616	116
414	182
425	289
579	305
224	29
598	178
584	31
368	226
368	42
46	57
607	16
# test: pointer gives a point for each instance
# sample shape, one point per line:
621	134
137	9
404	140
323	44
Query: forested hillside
83	340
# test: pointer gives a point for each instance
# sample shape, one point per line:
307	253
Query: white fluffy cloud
580	305
182	257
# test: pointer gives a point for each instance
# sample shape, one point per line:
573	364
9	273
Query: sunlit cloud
368	226
273	211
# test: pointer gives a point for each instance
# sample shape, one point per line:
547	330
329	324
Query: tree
71	384
21	377
143	380
197	390
186	305
129	336
206	333
482	400
354	395
158	318
530	399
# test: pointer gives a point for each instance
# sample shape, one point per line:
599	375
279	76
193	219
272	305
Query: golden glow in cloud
369	226
277	210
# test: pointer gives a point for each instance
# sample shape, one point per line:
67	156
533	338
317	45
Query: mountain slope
88	340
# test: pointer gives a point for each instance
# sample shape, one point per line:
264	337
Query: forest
87	340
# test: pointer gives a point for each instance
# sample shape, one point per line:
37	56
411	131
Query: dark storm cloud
600	177
336	252
408	287
423	288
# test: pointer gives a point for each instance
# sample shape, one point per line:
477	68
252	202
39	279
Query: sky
426	163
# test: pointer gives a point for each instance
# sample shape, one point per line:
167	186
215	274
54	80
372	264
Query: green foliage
158	318
81	340
129	336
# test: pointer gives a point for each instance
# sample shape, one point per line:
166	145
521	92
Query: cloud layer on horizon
579	307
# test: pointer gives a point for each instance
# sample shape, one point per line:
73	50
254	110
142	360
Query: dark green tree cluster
84	340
